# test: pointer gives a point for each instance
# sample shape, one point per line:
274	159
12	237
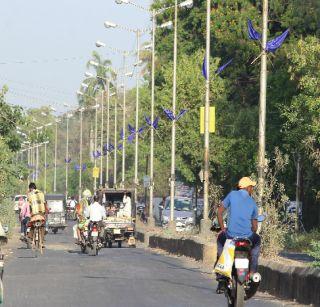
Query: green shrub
301	242
7	215
315	253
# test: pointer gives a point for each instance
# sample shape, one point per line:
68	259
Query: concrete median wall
301	284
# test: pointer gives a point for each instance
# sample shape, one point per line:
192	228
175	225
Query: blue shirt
242	209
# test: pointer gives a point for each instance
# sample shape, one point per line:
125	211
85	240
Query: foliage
301	242
273	230
7	214
10	118
315	253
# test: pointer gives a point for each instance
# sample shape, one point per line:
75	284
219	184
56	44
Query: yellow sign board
212	120
95	172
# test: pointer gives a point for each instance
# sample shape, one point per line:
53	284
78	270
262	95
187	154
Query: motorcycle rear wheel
239	299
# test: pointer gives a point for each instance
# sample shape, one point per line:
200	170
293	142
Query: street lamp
80	153
55	157
154	13
205	222
69	115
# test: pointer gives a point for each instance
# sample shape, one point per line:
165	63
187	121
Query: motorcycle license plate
116	231
241	263
94	233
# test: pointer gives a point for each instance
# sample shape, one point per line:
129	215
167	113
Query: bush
301	242
273	231
315	253
7	215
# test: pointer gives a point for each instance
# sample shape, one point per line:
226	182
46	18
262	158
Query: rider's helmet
86	193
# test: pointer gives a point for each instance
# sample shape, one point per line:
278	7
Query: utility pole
95	144
115	144
55	159
262	104
298	207
45	167
136	157
29	163
37	157
172	223
108	133
205	222
67	158
151	218
101	137
80	157
124	123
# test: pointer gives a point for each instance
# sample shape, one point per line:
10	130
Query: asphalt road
115	278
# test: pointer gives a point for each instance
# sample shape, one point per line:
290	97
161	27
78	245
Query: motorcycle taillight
242	244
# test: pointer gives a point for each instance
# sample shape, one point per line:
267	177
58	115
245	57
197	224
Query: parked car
184	213
17	205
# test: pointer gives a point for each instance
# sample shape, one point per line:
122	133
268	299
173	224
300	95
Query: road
115	278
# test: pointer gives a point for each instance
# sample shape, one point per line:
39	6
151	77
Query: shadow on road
166	281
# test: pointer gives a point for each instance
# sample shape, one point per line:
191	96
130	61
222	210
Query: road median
290	282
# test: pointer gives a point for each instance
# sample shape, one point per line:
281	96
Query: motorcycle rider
96	212
242	223
80	209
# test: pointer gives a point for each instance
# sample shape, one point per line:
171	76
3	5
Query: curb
300	284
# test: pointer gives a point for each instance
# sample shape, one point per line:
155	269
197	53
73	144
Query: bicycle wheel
35	243
40	241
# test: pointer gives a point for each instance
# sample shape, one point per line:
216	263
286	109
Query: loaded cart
120	220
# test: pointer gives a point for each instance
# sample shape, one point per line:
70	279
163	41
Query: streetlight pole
95	144
67	158
45	167
262	104
204	227
80	154
55	159
173	132
136	156
101	136
37	156
108	134
124	123
115	145
151	218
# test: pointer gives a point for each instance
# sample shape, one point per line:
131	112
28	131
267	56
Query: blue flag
253	34
276	43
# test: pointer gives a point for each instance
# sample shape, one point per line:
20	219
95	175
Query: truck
119	225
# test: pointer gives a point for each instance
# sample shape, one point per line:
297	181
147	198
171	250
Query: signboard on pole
95	172
212	120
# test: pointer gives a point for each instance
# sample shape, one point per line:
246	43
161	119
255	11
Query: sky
45	46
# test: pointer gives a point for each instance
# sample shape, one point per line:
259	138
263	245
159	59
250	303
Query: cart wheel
55	230
110	244
119	244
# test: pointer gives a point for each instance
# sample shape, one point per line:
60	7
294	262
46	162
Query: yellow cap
246	182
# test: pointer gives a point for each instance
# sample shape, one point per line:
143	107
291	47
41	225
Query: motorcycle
242	286
93	240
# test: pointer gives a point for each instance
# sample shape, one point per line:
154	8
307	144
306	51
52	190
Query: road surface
115	278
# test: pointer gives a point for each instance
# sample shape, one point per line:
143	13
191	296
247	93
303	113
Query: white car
16	201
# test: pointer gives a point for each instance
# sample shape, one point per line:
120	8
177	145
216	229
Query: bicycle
37	237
